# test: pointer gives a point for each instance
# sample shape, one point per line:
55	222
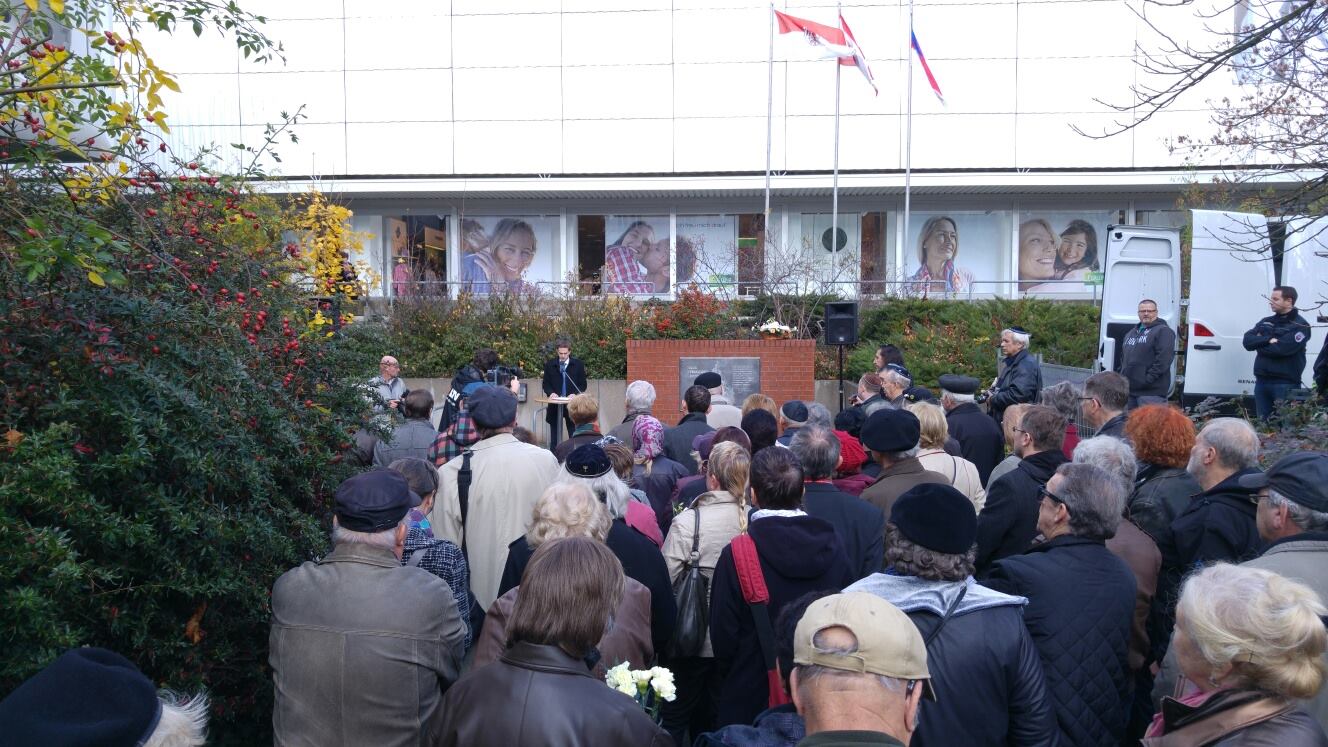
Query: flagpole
769	119
908	128
834	190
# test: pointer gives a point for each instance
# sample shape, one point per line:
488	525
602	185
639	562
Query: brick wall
787	367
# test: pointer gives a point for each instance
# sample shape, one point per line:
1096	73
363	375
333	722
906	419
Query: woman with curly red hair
1163	437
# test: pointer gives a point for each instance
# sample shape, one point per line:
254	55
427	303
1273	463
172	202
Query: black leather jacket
1020	381
538	695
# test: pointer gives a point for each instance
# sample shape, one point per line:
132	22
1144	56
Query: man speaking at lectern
564	376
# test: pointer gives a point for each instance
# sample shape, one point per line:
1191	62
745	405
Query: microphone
568	379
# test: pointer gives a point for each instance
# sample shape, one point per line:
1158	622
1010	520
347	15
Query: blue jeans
1267	393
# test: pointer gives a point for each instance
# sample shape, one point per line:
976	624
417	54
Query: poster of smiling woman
1061	252
637	254
507	253
948	252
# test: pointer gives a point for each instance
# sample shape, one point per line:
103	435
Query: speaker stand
841	377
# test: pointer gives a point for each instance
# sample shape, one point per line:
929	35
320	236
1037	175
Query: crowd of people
1076	564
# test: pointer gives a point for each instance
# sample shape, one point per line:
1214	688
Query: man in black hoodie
1279	344
798	554
1146	356
1008	522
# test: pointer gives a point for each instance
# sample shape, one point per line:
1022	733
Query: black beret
936	516
588	461
87	696
709	380
959	384
492	407
888	430
374	501
795	411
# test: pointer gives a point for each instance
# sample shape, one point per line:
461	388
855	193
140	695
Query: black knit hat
889	430
937	517
709	380
88	696
588	461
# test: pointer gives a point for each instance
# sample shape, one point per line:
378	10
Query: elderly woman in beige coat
719	513
961	473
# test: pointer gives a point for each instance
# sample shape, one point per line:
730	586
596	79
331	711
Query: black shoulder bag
476	613
692	592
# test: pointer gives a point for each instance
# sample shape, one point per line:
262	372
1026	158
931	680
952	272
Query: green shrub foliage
173	444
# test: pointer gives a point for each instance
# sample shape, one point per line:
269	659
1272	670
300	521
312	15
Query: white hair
957	397
183	721
891	376
1022	338
1111	454
1307	519
608	487
640	395
386	539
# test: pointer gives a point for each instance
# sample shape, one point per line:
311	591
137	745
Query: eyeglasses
1017	429
1044	493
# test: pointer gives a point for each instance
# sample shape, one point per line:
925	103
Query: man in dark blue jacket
860	525
1279	344
980	439
1008	522
1080	603
798	554
990	690
1020	379
1146	356
678	439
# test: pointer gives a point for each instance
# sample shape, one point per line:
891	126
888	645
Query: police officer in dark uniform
1278	342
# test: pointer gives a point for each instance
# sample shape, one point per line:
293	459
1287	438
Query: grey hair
640	395
1023	338
1307	519
819	414
1095	499
1234	440
183	721
1063	397
817	448
1111	454
386	539
891	376
608	487
956	396
899	456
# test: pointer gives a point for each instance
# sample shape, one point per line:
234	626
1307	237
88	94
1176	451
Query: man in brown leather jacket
362	647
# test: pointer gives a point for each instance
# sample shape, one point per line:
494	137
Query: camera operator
564	376
484	360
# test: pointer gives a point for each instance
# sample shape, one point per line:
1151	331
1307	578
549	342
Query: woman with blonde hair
572	510
962	474
715	518
760	401
1250	644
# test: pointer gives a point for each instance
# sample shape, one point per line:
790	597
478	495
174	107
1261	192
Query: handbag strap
695	558
949	612
463	494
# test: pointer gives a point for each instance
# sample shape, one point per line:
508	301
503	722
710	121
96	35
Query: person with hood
1146	356
1080	603
798	554
472	373
989	684
1020	379
1008	522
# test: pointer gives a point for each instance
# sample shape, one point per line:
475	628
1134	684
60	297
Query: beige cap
888	642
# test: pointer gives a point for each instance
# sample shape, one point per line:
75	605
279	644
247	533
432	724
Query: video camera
502	376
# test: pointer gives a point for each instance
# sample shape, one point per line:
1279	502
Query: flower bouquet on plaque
648	687
773	330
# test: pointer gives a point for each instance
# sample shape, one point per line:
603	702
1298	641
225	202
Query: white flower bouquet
648	687
773	330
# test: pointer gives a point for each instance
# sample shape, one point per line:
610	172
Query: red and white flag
822	42
859	58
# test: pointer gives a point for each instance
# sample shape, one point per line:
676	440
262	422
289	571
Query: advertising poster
507	253
637	254
946	253
707	251
1061	252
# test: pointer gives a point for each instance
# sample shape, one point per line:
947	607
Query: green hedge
939	337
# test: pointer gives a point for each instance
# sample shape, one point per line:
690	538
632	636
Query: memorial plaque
742	376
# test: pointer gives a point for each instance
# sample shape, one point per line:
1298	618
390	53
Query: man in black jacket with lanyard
1279	345
564	376
1020	380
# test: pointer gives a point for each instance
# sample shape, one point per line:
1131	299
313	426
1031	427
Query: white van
1234	264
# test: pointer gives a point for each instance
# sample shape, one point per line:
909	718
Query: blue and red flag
935	87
